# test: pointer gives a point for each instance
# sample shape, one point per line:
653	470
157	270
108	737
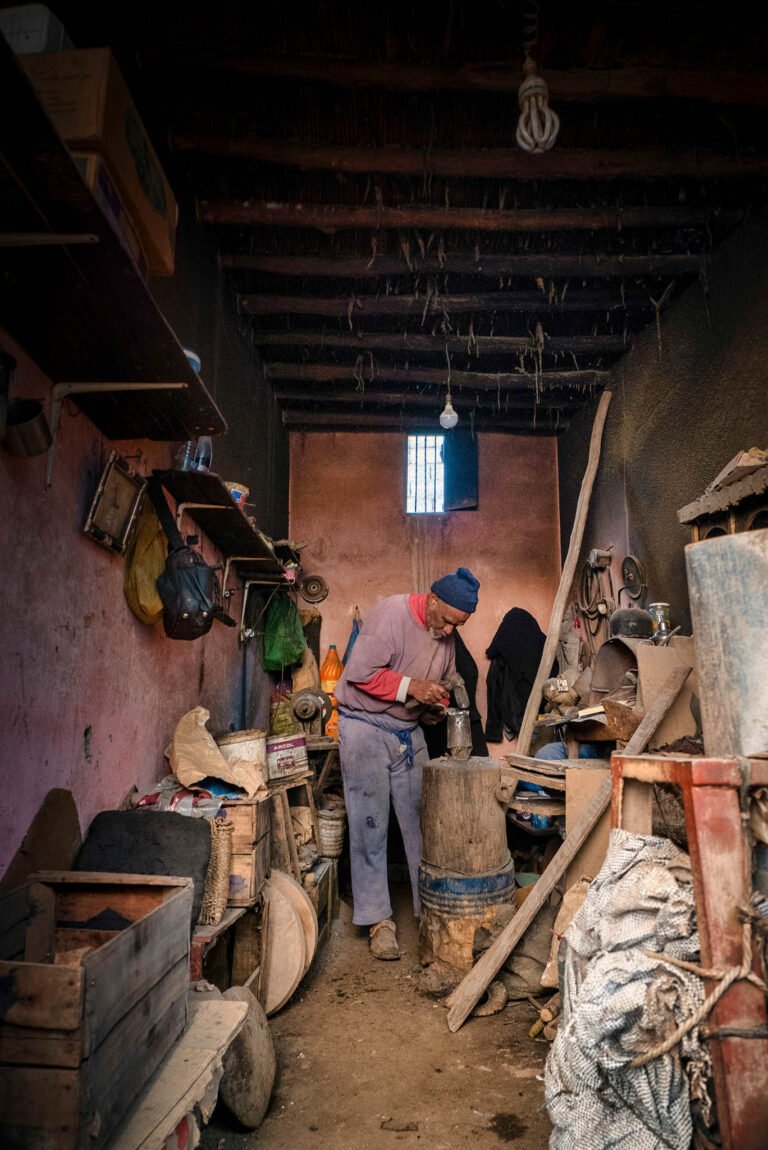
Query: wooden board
469	991
580	789
294	891
185	1078
51	842
654	665
285	958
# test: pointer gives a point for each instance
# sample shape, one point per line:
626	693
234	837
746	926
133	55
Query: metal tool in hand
459	732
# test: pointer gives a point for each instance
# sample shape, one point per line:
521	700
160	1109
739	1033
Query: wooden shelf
204	497
81	310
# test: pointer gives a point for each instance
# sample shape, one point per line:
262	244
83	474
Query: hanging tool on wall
596	599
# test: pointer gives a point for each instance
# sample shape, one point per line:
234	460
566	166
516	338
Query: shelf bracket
45	239
62	390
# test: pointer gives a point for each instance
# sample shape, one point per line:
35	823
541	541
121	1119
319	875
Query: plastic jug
330	673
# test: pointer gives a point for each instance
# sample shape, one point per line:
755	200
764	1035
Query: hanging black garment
437	736
515	654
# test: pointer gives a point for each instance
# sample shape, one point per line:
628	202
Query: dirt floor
366	1062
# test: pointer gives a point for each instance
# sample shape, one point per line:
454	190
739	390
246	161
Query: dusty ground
366	1062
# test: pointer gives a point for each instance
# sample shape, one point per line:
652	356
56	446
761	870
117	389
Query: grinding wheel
285	959
303	904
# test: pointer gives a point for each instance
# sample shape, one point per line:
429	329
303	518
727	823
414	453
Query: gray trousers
377	765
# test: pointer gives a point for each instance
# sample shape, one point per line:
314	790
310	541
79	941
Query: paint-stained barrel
460	895
466	872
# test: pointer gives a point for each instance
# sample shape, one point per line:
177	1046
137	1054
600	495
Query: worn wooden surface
566	578
469	991
720	866
51	842
302	903
727	578
462	822
581	787
86	1037
187	1080
285	958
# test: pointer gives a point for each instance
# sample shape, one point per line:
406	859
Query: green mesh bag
284	640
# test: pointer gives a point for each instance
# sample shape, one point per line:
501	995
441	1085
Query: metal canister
661	618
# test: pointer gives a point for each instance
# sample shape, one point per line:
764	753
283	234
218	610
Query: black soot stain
371	822
508	1127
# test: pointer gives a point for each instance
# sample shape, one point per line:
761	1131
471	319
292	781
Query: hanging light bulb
538	125
449	417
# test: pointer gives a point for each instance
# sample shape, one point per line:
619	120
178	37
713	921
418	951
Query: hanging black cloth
437	736
515	654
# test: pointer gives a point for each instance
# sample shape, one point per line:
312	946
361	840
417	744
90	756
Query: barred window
426	475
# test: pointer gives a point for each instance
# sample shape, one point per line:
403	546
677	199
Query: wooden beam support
492	265
482	381
462	401
465	163
577	85
337	217
386	421
352	306
482	345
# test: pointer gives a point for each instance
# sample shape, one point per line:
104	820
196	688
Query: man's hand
427	691
432	718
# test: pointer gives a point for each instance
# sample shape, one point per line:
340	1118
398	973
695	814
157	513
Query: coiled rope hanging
538	125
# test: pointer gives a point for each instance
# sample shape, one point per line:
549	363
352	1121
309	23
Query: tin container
286	755
660	617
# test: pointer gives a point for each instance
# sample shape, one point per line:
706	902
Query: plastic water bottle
185	456
203	454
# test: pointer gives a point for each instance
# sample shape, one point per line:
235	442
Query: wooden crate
79	1042
251	849
324	895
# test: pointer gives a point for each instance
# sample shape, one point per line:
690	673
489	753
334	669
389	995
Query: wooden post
566	579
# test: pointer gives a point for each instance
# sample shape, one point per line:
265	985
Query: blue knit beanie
458	590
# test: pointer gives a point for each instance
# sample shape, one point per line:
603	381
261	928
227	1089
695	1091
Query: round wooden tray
302	903
286	949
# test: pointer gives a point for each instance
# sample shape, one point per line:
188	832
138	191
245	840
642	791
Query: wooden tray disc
285	951
301	901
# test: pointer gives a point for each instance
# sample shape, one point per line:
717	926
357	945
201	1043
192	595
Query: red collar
418	606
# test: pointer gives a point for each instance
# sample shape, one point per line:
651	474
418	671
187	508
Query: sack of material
144	563
188	587
284	640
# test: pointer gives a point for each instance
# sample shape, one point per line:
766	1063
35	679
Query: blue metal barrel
459	895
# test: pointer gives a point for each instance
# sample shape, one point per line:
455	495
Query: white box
31	28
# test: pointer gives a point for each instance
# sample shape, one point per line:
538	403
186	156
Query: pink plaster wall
75	658
347	504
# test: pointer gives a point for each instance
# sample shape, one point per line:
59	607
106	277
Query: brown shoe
383	940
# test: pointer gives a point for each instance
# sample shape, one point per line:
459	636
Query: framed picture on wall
115	506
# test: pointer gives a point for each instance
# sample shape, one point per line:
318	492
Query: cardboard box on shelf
96	175
91	108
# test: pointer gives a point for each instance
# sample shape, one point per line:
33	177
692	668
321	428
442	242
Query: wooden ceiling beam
546	264
463	401
354	306
482	381
501	344
720	86
486	163
385	421
331	218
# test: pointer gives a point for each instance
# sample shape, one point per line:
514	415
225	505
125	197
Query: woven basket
216	889
331	825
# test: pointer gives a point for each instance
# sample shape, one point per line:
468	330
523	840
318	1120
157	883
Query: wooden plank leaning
566	578
474	984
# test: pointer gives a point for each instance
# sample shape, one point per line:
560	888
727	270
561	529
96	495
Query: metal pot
27	432
632	623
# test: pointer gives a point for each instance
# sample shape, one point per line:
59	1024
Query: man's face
443	619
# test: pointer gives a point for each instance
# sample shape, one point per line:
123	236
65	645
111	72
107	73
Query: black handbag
188	586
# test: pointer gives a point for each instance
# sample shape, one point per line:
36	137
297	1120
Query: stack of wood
548	1020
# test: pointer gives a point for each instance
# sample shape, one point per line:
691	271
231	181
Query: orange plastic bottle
330	673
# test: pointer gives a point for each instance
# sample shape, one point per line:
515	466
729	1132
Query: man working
404	652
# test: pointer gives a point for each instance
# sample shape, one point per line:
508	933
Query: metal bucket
460	896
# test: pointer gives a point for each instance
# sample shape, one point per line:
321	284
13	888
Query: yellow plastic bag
144	561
